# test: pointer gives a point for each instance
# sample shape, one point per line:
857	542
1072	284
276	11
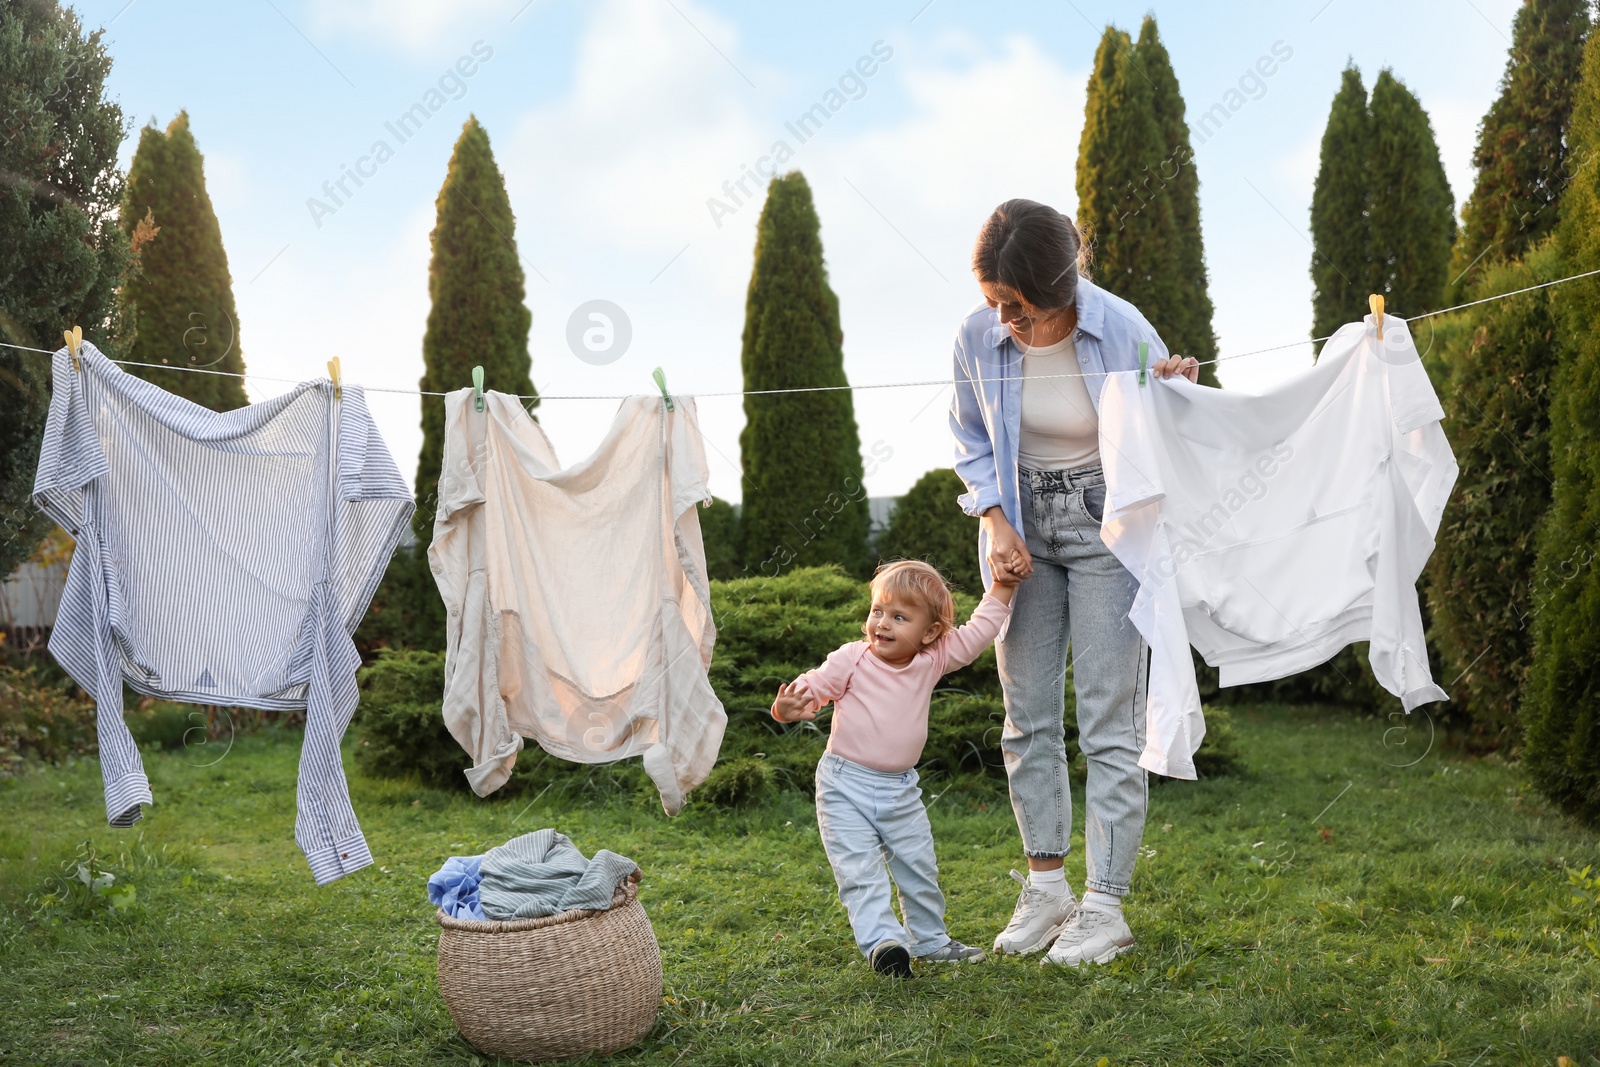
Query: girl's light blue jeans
873	825
1080	595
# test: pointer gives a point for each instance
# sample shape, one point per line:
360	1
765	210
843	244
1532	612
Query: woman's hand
794	703
1008	552
1187	366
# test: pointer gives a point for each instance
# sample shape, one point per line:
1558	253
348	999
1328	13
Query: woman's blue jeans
1079	596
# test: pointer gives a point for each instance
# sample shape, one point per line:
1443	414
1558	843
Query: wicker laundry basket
542	989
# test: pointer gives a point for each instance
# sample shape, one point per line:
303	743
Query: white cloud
414	25
654	122
997	127
611	181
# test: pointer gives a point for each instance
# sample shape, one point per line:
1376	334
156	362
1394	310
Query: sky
624	127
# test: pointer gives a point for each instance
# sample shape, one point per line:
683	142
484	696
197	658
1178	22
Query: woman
1029	367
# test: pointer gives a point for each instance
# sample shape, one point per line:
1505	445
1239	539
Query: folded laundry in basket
454	887
543	873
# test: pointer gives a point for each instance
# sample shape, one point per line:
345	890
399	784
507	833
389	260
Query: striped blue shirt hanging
222	558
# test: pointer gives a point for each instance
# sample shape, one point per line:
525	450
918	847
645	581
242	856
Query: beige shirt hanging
579	609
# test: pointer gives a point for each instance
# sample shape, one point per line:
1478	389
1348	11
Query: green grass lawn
1328	907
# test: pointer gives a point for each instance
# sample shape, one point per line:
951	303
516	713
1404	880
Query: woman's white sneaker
1039	916
1093	936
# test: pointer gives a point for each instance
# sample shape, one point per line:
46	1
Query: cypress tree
1190	332
1561	712
1410	210
719	531
1480	574
478	317
1341	234
1123	208
179	299
1522	150
62	255
1381	222
804	501
1382	217
929	525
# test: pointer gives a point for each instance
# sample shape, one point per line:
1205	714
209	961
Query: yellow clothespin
74	339
1375	302
333	373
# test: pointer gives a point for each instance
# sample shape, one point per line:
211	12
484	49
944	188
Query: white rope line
820	388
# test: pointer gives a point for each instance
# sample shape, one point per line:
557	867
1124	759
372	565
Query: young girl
869	809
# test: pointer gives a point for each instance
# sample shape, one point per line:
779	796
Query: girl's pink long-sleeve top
880	716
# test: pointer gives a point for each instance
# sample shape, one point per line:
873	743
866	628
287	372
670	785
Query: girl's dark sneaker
891	958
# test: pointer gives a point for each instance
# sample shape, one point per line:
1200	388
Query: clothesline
818	388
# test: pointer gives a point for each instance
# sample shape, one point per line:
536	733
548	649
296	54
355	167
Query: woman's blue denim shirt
986	413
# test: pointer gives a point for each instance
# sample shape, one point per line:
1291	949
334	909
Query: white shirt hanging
1271	530
579	607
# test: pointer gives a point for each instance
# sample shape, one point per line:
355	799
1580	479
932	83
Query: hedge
769	631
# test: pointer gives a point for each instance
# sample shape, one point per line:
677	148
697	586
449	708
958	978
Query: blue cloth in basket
454	887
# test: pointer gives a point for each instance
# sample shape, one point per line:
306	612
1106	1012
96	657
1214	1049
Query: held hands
1003	585
1009	560
794	704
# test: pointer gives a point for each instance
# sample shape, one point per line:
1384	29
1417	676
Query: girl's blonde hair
920	583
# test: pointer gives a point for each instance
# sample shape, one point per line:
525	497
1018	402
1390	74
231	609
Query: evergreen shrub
770	630
1561	706
41	721
929	525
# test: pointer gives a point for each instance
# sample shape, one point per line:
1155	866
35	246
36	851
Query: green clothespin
661	383
477	385
1144	359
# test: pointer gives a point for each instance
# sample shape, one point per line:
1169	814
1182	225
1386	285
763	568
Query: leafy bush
399	724
400	733
1218	754
929	525
1345	680
1481	575
1560	711
167	726
405	611
964	734
45	717
769	631
41	721
719	530
84	887
737	783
